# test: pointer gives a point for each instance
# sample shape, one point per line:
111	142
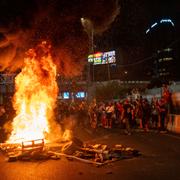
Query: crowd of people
127	114
130	114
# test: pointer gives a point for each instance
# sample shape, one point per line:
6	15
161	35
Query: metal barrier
174	123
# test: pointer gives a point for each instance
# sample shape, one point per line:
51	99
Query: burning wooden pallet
33	145
22	150
97	154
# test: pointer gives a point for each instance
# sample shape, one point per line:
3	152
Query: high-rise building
165	65
160	41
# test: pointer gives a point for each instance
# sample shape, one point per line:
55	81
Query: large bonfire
35	96
34	102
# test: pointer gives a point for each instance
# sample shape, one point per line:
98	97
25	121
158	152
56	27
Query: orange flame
35	96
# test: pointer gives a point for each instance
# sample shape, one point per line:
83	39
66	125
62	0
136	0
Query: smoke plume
23	24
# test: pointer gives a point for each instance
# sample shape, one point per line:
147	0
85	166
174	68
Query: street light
89	28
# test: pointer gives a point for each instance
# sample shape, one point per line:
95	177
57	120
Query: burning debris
35	97
97	154
34	135
34	132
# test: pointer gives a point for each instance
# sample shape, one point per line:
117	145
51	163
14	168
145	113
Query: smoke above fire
23	24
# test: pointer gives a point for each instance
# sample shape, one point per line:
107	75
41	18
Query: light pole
89	28
108	68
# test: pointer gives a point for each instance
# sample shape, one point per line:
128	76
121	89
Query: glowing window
80	95
66	95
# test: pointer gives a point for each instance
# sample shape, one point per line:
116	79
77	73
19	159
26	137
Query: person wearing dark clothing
118	111
127	116
146	109
162	113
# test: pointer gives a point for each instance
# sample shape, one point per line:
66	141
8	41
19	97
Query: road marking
174	136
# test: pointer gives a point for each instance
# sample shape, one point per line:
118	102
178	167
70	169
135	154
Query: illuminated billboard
102	58
80	94
66	95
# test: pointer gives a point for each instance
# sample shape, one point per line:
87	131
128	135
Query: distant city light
168	49
161	21
80	94
155	24
66	95
166	21
147	31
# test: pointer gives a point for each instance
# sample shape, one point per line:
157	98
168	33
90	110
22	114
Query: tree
111	90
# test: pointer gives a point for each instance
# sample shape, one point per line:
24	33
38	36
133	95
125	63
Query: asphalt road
160	159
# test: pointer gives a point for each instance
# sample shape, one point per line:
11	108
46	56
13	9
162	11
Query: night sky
134	49
136	16
127	35
23	24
